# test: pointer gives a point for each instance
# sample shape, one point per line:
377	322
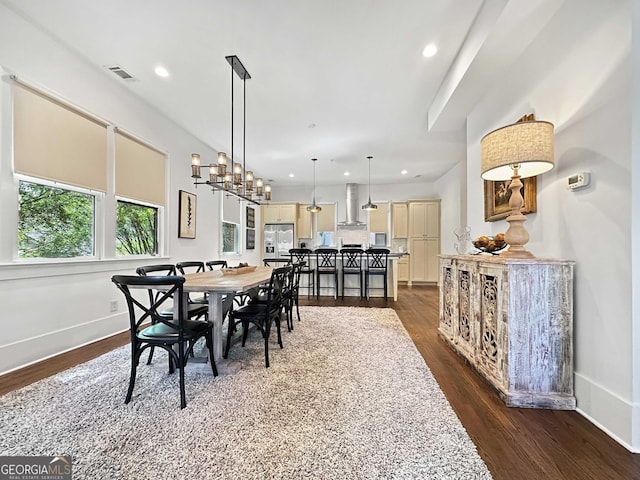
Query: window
55	222
325	239
136	229
230	237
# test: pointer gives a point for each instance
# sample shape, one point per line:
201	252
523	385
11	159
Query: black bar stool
326	264
303	255
352	265
377	261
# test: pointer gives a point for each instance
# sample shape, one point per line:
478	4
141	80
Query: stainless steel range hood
352	208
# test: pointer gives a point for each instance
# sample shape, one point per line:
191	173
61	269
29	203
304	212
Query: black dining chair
194	310
192	267
262	315
216	263
352	266
175	336
376	265
300	255
276	262
326	264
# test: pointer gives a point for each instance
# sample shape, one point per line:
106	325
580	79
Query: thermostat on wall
578	180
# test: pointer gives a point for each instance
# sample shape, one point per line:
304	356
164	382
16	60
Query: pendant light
369	205
313	208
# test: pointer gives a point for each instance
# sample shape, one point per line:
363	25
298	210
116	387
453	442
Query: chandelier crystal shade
227	175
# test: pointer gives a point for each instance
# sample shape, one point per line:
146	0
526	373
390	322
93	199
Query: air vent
122	73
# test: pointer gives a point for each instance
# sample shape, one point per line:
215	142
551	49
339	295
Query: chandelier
227	175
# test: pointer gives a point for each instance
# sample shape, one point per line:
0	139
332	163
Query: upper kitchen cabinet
279	213
326	218
304	226
400	219
424	219
379	218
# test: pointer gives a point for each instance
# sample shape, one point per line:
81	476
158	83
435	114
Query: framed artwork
497	194
251	218
186	215
251	238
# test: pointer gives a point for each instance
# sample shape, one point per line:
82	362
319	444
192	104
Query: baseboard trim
23	376
606	410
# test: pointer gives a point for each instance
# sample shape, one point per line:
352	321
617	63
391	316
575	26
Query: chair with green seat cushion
194	310
175	336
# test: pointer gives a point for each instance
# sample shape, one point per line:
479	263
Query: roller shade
140	171
231	209
55	142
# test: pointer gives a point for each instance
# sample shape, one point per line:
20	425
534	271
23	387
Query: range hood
352	208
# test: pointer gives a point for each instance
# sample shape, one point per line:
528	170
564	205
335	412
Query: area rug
349	397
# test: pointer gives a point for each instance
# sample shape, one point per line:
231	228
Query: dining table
220	287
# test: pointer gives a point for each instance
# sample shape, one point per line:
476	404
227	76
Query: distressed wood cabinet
512	320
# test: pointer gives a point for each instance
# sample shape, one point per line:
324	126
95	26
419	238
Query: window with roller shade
64	173
140	178
231	215
63	154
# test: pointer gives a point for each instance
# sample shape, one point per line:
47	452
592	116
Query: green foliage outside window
136	229
54	223
230	237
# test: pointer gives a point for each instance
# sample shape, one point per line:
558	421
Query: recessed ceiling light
291	175
346	174
430	50
404	172
161	71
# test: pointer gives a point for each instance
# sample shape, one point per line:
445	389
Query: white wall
54	307
451	188
583	85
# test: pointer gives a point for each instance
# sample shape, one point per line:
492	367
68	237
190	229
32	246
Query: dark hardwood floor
514	443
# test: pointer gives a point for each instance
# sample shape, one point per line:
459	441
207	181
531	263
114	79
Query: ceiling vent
121	72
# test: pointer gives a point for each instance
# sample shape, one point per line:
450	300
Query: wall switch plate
113	304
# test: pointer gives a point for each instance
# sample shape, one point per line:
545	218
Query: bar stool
326	264
303	255
352	265
377	260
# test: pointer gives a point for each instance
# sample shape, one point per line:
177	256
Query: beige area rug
349	397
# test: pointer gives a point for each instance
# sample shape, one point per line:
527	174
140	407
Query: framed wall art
251	239
251	218
497	194
186	215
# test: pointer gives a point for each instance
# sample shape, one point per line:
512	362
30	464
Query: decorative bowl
238	270
488	244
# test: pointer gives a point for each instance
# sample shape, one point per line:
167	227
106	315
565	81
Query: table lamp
524	149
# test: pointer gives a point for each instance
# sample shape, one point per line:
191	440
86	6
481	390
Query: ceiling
334	79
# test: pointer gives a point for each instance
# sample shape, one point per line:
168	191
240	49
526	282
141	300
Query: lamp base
516	235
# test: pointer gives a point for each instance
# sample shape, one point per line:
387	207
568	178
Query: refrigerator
278	239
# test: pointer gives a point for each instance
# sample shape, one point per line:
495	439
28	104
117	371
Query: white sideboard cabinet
512	320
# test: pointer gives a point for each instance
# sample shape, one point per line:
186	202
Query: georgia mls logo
36	468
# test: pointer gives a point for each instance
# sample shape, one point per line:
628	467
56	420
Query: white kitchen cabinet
424	240
400	219
279	213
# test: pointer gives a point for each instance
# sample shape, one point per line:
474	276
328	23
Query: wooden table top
215	281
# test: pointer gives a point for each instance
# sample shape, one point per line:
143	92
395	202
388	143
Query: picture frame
186	214
251	218
251	239
497	194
